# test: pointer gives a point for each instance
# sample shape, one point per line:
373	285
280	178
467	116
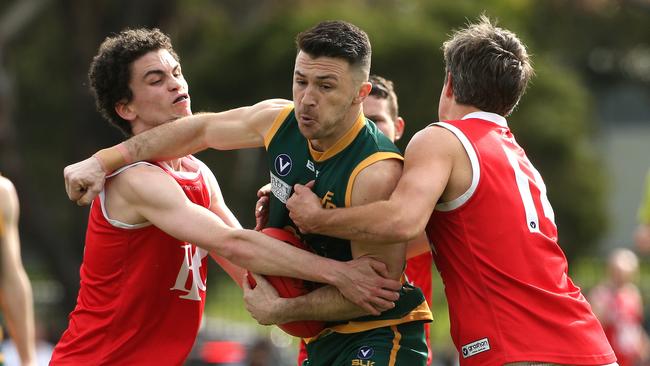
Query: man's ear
364	91
125	110
399	128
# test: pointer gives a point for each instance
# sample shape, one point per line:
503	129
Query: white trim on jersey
476	169
487	116
102	199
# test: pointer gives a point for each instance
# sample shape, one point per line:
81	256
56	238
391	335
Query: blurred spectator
642	236
263	353
618	305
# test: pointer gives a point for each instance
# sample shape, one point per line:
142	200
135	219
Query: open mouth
181	98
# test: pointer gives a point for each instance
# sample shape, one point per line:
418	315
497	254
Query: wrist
334	273
113	158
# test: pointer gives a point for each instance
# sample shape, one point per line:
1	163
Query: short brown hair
383	88
337	39
110	70
489	66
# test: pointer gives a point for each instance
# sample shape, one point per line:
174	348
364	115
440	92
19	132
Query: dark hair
337	39
382	88
110	70
489	67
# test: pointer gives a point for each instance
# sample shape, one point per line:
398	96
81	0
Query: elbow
404	229
234	247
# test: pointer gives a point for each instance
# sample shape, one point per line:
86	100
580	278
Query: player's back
505	276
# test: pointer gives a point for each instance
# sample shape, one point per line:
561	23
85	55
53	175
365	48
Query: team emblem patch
365	352
282	164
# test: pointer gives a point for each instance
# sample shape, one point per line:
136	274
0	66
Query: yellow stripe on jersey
362	165
276	124
341	144
393	351
420	313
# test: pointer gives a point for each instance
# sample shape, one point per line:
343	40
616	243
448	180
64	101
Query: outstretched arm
165	205
427	167
16	291
234	129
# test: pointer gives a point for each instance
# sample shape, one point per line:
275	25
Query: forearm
172	140
377	222
19	313
325	303
262	254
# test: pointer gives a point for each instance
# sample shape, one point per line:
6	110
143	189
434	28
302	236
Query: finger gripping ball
289	287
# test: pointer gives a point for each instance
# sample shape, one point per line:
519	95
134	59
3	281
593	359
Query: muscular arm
155	197
16	291
428	165
233	129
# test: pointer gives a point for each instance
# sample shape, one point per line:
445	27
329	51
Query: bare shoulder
141	181
434	138
376	181
269	109
260	117
385	170
8	197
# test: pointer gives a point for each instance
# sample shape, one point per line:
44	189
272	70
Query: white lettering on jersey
280	189
310	166
191	266
524	181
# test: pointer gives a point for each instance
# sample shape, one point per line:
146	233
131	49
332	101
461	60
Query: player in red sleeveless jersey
143	277
484	207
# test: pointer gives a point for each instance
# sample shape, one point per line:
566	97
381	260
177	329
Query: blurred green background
584	120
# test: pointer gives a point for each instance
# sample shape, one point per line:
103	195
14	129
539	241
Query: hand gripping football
289	287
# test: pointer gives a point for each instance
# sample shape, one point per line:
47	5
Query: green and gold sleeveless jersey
292	160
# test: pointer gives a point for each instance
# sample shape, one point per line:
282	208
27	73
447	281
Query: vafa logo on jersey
282	164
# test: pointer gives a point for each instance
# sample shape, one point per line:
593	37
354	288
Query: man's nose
308	96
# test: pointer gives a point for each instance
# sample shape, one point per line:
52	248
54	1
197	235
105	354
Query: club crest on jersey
476	347
282	164
365	352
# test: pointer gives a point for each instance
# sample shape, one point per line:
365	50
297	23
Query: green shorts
402	344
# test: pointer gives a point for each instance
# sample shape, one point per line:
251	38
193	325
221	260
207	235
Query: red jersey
142	291
505	276
418	272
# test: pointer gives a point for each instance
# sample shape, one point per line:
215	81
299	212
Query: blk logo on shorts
282	164
365	352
